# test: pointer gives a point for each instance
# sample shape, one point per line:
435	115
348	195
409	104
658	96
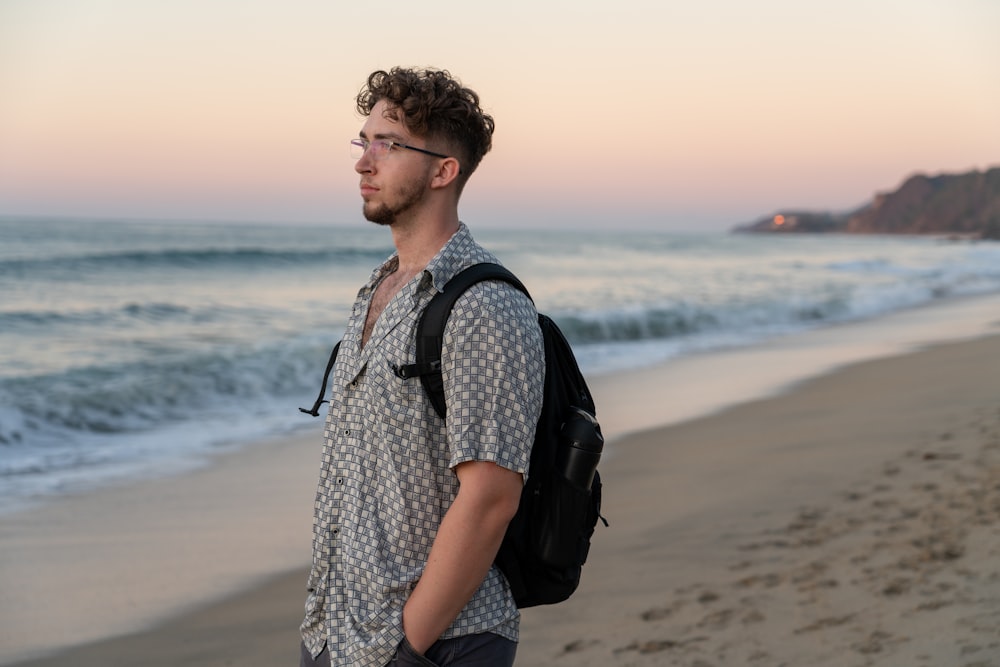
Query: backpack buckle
408	371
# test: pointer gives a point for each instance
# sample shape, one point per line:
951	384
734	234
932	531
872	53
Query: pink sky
631	113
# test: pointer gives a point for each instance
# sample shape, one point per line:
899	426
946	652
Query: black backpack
547	541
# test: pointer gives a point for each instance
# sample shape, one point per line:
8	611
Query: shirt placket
332	481
345	436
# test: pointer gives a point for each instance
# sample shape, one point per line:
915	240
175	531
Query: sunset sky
677	115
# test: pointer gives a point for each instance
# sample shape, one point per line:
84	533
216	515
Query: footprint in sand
658	645
580	645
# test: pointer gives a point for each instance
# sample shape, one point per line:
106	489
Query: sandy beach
828	499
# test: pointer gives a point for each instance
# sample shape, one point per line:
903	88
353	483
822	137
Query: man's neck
419	241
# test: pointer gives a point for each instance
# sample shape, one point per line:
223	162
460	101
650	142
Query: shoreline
729	377
184	529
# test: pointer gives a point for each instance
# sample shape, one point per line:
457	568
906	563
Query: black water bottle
580	448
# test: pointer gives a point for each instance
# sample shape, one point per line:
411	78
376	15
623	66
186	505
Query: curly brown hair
433	104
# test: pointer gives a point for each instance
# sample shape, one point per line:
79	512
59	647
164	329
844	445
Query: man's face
393	184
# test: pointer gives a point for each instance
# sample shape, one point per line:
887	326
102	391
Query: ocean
131	349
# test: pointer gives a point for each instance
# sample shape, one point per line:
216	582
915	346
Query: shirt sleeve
493	367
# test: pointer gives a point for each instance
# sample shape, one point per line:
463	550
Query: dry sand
854	520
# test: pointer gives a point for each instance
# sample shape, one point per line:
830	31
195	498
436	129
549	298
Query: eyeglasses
381	147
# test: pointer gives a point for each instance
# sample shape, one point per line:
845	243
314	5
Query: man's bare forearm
466	544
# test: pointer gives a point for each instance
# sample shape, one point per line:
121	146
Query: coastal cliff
966	205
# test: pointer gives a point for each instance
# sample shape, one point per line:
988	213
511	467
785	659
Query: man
411	509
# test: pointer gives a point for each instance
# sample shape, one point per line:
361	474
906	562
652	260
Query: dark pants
482	650
307	660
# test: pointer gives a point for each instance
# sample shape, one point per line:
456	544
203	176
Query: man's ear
447	171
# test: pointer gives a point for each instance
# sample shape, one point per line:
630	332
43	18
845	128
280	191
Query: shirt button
340	480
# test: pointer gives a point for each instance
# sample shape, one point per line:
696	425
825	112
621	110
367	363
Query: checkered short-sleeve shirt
387	471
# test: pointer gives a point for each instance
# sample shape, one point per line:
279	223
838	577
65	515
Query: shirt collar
458	253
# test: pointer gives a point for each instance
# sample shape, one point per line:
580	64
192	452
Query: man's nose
365	163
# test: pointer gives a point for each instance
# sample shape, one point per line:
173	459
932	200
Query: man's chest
386	290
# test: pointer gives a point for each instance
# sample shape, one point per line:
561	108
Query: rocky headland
963	205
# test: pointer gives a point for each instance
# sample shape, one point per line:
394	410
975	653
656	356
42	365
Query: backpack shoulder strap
430	328
326	378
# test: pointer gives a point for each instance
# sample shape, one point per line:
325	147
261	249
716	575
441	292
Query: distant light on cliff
779	220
